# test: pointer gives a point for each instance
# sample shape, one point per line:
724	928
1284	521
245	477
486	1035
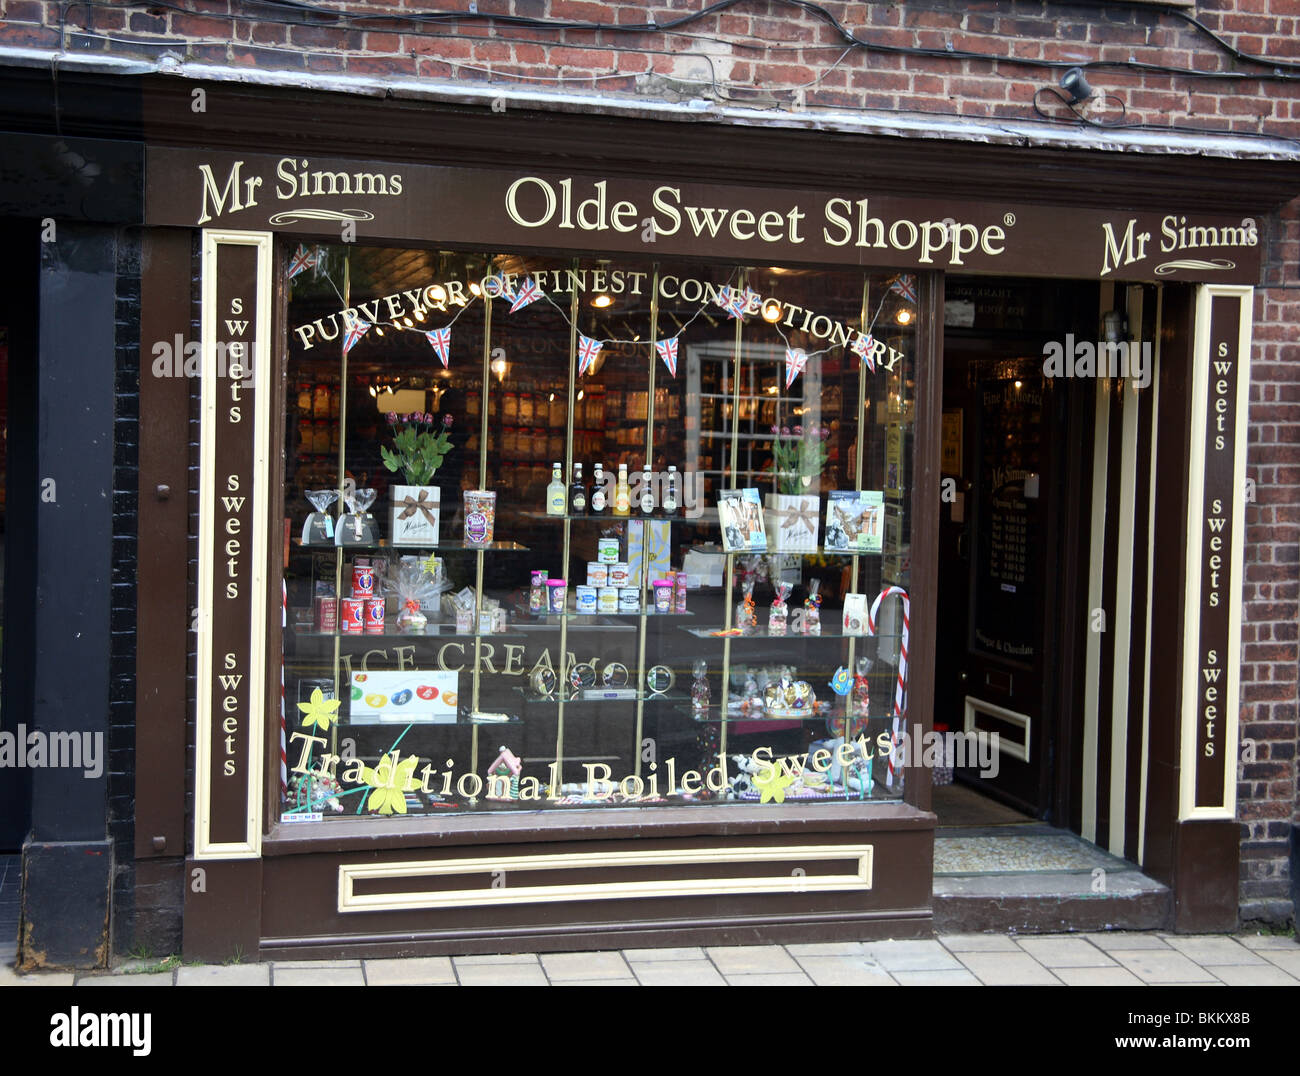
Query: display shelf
462	720
591	619
714	716
821	551
601	695
832	630
384	546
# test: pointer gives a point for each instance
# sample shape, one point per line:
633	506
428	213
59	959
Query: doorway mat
959	806
1020	854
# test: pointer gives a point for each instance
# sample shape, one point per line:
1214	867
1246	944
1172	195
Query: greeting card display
793	522
740	514
415	515
404	697
855	520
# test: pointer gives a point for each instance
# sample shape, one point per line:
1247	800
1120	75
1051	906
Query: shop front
590	556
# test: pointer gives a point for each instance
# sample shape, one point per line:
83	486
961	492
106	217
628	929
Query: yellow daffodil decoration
773	784
320	711
389	782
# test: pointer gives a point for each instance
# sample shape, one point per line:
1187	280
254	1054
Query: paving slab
561	966
509	958
516	974
752	960
826	949
772	979
411	971
1109	941
1269	941
911	956
1111	976
979	943
647	955
281	976
678	973
161	978
224	975
1008	969
596	982
1252	975
959	977
9	977
845	971
1058	952
1288	962
291	964
1212	951
1163	966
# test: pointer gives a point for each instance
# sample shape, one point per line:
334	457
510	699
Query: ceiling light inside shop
474	288
438	293
499	368
771	310
904	317
602	301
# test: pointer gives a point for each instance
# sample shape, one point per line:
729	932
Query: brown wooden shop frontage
1016	500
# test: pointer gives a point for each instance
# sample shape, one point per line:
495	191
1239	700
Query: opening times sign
232	544
1216	527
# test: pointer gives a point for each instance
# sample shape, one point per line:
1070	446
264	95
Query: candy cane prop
900	693
284	626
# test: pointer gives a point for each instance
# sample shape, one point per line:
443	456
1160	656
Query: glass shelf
714	716
384	546
718	551
829	631
461	720
599	696
593	619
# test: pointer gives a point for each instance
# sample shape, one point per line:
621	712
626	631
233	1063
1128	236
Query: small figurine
503	777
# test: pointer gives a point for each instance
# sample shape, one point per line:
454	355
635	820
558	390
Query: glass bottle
647	492
700	689
622	497
599	499
555	493
577	493
670	493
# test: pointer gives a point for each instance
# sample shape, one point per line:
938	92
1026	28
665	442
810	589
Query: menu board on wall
1004	620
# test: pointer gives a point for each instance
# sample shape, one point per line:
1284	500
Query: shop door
1003	588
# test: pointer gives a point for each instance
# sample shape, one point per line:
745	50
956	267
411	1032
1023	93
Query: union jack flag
723	298
795	360
303	259
495	287
354	334
588	349
668	352
529	292
440	339
746	300
905	285
864	345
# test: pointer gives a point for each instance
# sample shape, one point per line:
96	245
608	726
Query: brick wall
773	54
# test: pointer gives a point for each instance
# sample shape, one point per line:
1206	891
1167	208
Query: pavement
1115	958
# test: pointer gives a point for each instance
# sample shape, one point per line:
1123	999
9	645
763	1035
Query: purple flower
775	430
798	429
785	429
391	418
826	431
428	419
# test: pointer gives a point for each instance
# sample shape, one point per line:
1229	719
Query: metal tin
327	614
629	600
607	550
363	581
557	592
374	616
352	616
607	599
597	574
586	599
618	575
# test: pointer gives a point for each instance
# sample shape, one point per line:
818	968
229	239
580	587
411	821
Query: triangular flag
588	349
440	340
496	287
865	346
528	292
905	285
354	334
745	300
668	352
796	358
303	259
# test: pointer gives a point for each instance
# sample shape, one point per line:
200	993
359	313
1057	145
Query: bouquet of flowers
798	456
418	450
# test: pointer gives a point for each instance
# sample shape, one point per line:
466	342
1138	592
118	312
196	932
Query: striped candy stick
284	626
900	692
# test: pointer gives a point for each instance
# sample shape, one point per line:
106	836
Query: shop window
472	626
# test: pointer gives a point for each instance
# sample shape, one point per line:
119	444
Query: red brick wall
773	53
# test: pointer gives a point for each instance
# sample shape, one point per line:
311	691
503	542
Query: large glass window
566	532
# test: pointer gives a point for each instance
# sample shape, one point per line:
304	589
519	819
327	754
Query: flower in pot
420	443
